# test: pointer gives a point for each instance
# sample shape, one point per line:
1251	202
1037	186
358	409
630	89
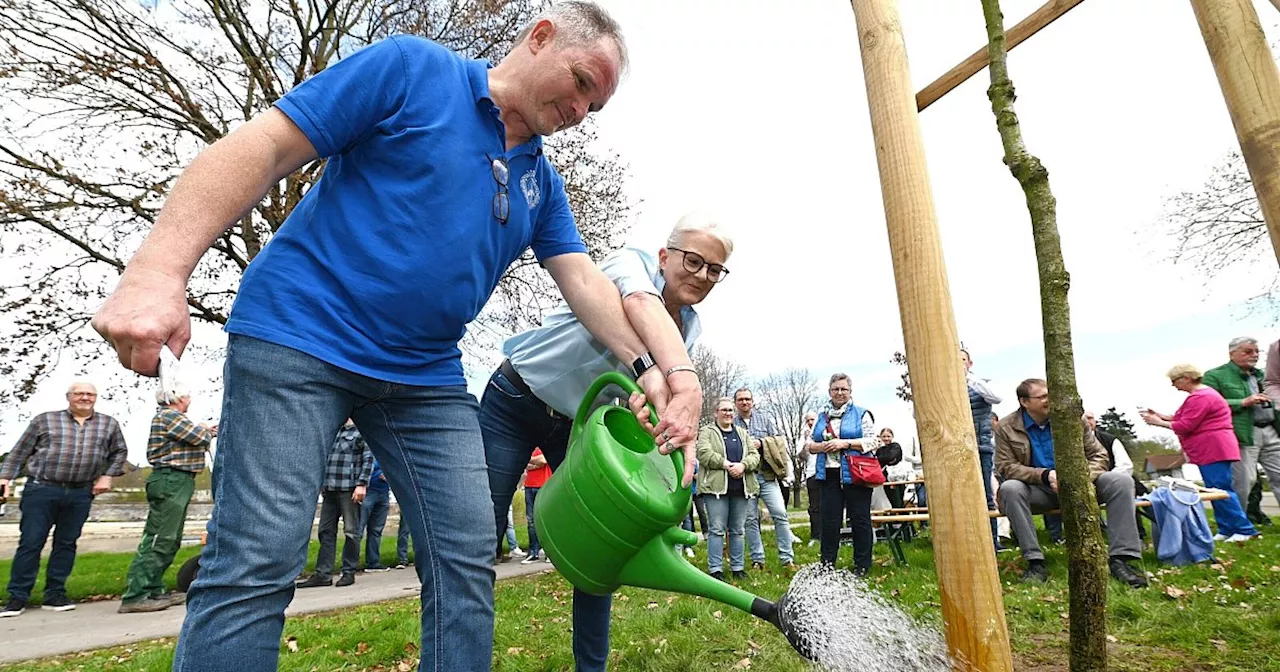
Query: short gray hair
580	23
839	376
164	398
700	222
1239	341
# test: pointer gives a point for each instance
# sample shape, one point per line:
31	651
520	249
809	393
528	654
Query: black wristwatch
643	363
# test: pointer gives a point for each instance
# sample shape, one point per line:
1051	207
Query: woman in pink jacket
1203	425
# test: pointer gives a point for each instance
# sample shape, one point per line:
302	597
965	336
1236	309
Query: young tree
786	397
719	376
902	391
1114	423
106	102
1086	552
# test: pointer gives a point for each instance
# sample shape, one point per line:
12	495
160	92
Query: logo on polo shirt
529	185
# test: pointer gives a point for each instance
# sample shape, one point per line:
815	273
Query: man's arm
984	390
149	306
1213	379
1099	463
366	461
1007	464
182	430
21	451
1124	464
1271	383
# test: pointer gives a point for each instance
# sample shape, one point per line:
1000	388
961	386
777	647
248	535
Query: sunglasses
502	199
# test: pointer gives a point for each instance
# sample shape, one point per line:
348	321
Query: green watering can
611	514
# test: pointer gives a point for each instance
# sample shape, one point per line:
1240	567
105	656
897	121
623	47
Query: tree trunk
1086	553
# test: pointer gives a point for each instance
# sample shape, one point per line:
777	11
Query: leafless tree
786	397
104	102
719	376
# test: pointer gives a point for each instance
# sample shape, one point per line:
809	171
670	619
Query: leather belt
509	372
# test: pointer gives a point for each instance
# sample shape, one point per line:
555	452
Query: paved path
38	633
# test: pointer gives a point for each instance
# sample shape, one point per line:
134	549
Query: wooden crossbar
922	515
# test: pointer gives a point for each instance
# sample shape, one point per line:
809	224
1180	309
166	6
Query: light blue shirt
560	359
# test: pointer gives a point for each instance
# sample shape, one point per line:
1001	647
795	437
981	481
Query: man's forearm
595	302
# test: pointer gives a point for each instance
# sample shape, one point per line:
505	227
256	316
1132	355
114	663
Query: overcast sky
757	111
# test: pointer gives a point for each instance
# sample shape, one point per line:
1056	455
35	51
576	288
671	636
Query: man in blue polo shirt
435	183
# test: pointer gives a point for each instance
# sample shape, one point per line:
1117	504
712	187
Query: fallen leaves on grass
1174	592
292	643
744	664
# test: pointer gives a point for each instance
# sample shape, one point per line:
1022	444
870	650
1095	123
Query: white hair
1238	342
72	386
580	23
701	222
165	397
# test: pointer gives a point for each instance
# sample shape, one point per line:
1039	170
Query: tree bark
1085	550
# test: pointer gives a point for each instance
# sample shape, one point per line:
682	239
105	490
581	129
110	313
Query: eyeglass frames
501	200
693	263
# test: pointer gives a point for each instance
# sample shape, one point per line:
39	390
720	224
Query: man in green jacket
1253	414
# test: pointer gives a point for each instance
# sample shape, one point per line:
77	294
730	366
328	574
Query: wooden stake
1251	85
972	608
967	68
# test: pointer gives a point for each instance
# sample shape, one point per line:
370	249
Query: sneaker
1237	538
861	572
15	607
739	574
757	564
688	552
790	566
59	603
346	579
518	552
529	559
143	606
546	558
1059	541
174	598
1121	571
1220	537
1035	573
401	565
1001	548
316	580
718	576
377	570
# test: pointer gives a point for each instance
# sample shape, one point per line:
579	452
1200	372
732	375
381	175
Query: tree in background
719	376
104	103
1114	423
786	397
902	391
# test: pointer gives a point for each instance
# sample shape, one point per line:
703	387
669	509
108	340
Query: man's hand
358	494
147	310
757	443
1053	479
103	483
1254	399
212	429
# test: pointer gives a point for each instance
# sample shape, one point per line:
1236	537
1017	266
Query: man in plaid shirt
176	450
346	477
69	457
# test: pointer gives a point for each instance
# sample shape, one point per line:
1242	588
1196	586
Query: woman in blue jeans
531	398
727	464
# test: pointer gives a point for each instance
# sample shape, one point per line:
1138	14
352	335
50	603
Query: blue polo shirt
395	249
1041	442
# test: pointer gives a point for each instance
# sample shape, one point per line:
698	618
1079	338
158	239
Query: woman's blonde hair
1189	370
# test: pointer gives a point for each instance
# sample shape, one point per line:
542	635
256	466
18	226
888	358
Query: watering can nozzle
780	615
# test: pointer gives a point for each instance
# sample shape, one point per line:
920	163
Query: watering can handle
628	386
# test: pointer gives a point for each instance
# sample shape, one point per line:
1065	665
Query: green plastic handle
628	386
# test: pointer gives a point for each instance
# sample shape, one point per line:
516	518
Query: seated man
1024	458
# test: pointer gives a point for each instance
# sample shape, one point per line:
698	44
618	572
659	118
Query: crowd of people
343	379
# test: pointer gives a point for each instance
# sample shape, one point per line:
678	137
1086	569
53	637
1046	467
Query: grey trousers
338	504
1019	500
1265	451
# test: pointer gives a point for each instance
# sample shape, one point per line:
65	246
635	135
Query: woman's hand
735	469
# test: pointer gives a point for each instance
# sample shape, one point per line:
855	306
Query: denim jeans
373	519
1227	512
988	462
402	542
510	525
771	495
45	507
530	496
513	424
728	514
281	409
337	504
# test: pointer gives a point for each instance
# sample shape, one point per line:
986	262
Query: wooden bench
896	521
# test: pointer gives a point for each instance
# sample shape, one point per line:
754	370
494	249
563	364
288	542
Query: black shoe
1058	541
315	581
15	607
756	564
346	579
1121	571
718	576
861	572
57	603
143	606
1035	573
739	574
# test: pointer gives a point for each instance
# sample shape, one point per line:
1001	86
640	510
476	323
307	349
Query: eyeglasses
836	390
501	201
694	262
724	410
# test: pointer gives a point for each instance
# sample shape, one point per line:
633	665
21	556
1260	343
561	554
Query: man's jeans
45	507
728	514
169	492
402	542
373	519
281	409
987	460
514	424
771	495
1018	500
1265	451
338	504
530	496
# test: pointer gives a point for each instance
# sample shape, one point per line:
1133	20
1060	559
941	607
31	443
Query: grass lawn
1224	617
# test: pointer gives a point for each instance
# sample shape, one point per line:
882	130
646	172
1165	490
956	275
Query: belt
168	468
509	372
65	485
1264	424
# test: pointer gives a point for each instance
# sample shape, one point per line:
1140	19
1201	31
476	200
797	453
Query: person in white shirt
810	483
